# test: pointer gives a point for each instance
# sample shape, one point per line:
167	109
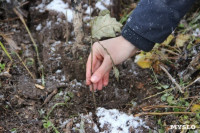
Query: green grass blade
4	49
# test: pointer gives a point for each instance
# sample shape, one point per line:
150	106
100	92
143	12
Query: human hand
119	49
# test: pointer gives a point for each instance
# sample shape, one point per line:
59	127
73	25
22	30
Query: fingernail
94	79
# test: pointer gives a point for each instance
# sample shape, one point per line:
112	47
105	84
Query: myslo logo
182	127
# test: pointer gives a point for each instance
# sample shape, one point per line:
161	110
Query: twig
172	79
4	49
91	71
24	65
107	53
57	104
158	93
34	44
146	108
164	113
94	98
50	96
113	64
198	79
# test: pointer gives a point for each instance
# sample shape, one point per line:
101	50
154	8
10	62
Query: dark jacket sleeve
153	20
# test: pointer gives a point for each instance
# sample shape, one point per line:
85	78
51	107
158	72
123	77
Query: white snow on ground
39	27
196	32
69	15
8	1
118	122
88	10
101	4
58	5
107	2
40	7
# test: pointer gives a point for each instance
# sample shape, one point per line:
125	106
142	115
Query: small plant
48	125
2	67
14	130
46	121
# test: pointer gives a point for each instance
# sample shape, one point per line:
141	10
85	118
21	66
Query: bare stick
24	65
116	72
198	79
93	95
146	108
158	93
34	44
164	113
172	79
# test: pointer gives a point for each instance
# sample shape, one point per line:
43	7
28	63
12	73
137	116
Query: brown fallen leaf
11	42
39	86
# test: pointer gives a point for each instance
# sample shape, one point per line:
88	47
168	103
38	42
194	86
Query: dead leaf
195	108
144	60
181	39
11	43
104	12
168	40
105	26
39	86
116	72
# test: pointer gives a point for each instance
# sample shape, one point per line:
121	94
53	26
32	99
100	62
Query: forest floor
65	103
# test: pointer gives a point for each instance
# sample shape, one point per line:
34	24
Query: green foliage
14	130
4	49
2	67
48	125
162	128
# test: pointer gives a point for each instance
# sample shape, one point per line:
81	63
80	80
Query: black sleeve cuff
137	40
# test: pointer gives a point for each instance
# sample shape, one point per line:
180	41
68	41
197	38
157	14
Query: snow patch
118	122
69	15
88	10
8	1
196	33
39	27
57	5
101	4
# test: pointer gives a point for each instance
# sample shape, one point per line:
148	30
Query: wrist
130	47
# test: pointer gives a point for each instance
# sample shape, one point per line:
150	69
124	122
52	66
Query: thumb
102	70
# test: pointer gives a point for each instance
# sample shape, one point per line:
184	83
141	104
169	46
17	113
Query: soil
23	106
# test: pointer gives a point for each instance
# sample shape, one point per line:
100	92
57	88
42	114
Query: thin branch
24	65
164	113
93	95
172	79
147	108
198	79
34	43
158	93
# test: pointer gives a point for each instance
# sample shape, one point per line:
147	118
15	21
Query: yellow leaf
168	40
181	39
144	60
39	86
195	108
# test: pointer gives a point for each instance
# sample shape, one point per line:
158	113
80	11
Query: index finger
88	68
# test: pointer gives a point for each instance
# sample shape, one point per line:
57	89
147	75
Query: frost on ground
118	122
58	6
110	121
101	4
196	32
